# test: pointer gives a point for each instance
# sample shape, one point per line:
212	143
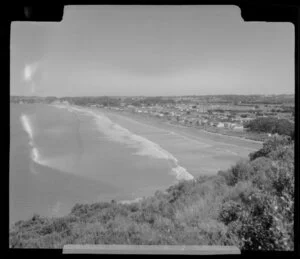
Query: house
220	125
238	128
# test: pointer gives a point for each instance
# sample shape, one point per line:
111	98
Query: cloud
29	71
28	74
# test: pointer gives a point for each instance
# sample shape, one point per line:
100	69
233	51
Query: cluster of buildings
221	116
195	115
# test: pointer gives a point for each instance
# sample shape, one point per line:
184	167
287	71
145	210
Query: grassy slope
249	205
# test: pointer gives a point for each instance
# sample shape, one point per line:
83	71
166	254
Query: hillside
250	205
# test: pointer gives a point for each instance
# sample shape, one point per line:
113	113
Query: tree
271	125
269	146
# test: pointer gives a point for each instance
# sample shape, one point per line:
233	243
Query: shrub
270	145
214	232
272	125
230	212
228	177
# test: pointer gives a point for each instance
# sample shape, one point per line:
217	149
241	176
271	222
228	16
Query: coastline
202	152
146	119
181	129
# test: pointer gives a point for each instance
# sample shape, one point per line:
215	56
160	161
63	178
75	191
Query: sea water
60	156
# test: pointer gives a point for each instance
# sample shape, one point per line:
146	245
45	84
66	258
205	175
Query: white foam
181	173
26	125
59	106
70	108
35	156
145	147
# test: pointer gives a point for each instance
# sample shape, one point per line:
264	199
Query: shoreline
192	130
147	118
194	133
177	170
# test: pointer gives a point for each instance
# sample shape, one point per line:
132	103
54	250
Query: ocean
62	155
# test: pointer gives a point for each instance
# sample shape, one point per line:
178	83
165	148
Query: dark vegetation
230	99
152	101
251	205
271	125
84	101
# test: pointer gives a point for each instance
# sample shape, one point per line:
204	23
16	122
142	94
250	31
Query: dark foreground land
250	205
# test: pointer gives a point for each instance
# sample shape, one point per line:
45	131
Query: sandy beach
200	152
180	129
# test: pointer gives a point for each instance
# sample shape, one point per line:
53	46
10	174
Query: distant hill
115	100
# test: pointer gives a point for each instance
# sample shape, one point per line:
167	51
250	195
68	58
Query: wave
181	135
68	107
35	155
181	173
26	125
145	147
60	106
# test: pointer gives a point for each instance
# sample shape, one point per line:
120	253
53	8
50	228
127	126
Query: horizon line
193	95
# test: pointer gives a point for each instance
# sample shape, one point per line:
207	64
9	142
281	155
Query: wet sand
189	131
201	152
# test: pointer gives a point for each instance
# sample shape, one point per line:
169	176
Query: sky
151	51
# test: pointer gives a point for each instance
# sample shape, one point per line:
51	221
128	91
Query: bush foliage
251	205
271	125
